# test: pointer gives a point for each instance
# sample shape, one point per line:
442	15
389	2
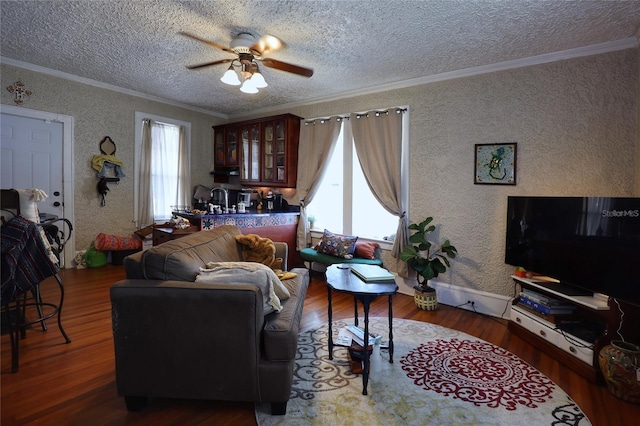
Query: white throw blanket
247	273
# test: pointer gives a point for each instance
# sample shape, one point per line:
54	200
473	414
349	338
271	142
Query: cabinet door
250	154
232	146
280	156
219	150
267	155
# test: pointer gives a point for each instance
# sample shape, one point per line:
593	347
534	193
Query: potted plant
311	219
428	260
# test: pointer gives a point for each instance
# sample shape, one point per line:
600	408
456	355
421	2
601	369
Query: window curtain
145	197
317	142
377	136
184	169
165	176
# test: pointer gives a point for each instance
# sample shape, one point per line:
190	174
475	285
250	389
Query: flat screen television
591	244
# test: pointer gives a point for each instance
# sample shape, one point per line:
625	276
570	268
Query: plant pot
425	299
620	366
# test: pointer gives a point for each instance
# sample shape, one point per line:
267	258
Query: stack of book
544	304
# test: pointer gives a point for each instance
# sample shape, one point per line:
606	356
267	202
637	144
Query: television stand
563	337
565	289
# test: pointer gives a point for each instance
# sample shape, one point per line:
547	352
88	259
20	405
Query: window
344	203
165	140
169	186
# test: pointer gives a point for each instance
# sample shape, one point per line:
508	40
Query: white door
32	158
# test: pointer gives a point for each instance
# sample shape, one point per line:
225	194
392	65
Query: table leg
355	311
330	315
390	329
365	369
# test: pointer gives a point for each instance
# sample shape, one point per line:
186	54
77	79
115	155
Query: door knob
56	204
56	193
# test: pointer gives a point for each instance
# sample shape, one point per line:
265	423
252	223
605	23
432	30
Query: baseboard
486	303
495	305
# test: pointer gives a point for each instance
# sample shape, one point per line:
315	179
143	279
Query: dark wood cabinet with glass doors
268	149
225	147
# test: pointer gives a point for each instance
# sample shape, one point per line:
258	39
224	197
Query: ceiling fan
248	52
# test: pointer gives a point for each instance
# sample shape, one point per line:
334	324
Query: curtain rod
358	115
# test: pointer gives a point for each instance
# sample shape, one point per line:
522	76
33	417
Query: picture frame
495	163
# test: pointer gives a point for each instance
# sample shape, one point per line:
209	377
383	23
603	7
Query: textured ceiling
351	45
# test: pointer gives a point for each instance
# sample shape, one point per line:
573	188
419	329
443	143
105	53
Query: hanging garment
103	162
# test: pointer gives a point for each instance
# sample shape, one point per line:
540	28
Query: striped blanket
27	258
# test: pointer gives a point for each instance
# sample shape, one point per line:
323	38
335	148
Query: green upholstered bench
310	255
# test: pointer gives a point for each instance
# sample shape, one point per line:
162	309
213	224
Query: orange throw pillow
366	250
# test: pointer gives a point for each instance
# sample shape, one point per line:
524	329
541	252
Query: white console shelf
592	302
575	353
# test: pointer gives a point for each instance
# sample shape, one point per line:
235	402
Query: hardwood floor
74	384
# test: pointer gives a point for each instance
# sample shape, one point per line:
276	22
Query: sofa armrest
159	326
282	251
133	265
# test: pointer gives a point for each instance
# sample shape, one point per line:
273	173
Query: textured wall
637	180
98	113
575	123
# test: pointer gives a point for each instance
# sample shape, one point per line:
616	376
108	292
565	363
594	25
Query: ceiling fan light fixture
230	77
248	87
258	80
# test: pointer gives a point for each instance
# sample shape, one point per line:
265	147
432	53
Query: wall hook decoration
21	92
108	166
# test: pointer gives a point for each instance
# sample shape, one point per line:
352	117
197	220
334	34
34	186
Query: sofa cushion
309	254
280	333
181	259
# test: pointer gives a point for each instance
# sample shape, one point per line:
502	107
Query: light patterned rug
439	376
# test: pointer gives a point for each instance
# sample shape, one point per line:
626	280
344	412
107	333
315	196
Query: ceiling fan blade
284	66
267	44
210	43
208	64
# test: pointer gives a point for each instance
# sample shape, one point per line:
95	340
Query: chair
9	203
27	260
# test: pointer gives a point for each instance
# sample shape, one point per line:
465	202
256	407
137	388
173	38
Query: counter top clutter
237	340
202	215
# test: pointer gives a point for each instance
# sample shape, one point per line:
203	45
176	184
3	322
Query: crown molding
612	46
99	84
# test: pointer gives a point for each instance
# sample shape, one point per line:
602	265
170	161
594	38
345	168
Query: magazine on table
372	273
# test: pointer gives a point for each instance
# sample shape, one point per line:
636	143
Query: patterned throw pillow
338	245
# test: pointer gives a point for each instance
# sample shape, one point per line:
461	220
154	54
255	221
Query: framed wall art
495	163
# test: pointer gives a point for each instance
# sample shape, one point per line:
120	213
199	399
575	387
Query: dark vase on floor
620	366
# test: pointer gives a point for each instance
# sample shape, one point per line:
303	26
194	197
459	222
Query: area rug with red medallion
439	376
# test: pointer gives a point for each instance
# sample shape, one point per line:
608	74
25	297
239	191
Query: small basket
425	300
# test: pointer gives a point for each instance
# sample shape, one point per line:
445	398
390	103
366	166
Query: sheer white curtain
165	177
377	136
317	142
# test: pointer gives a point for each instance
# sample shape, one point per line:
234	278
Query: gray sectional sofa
176	338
